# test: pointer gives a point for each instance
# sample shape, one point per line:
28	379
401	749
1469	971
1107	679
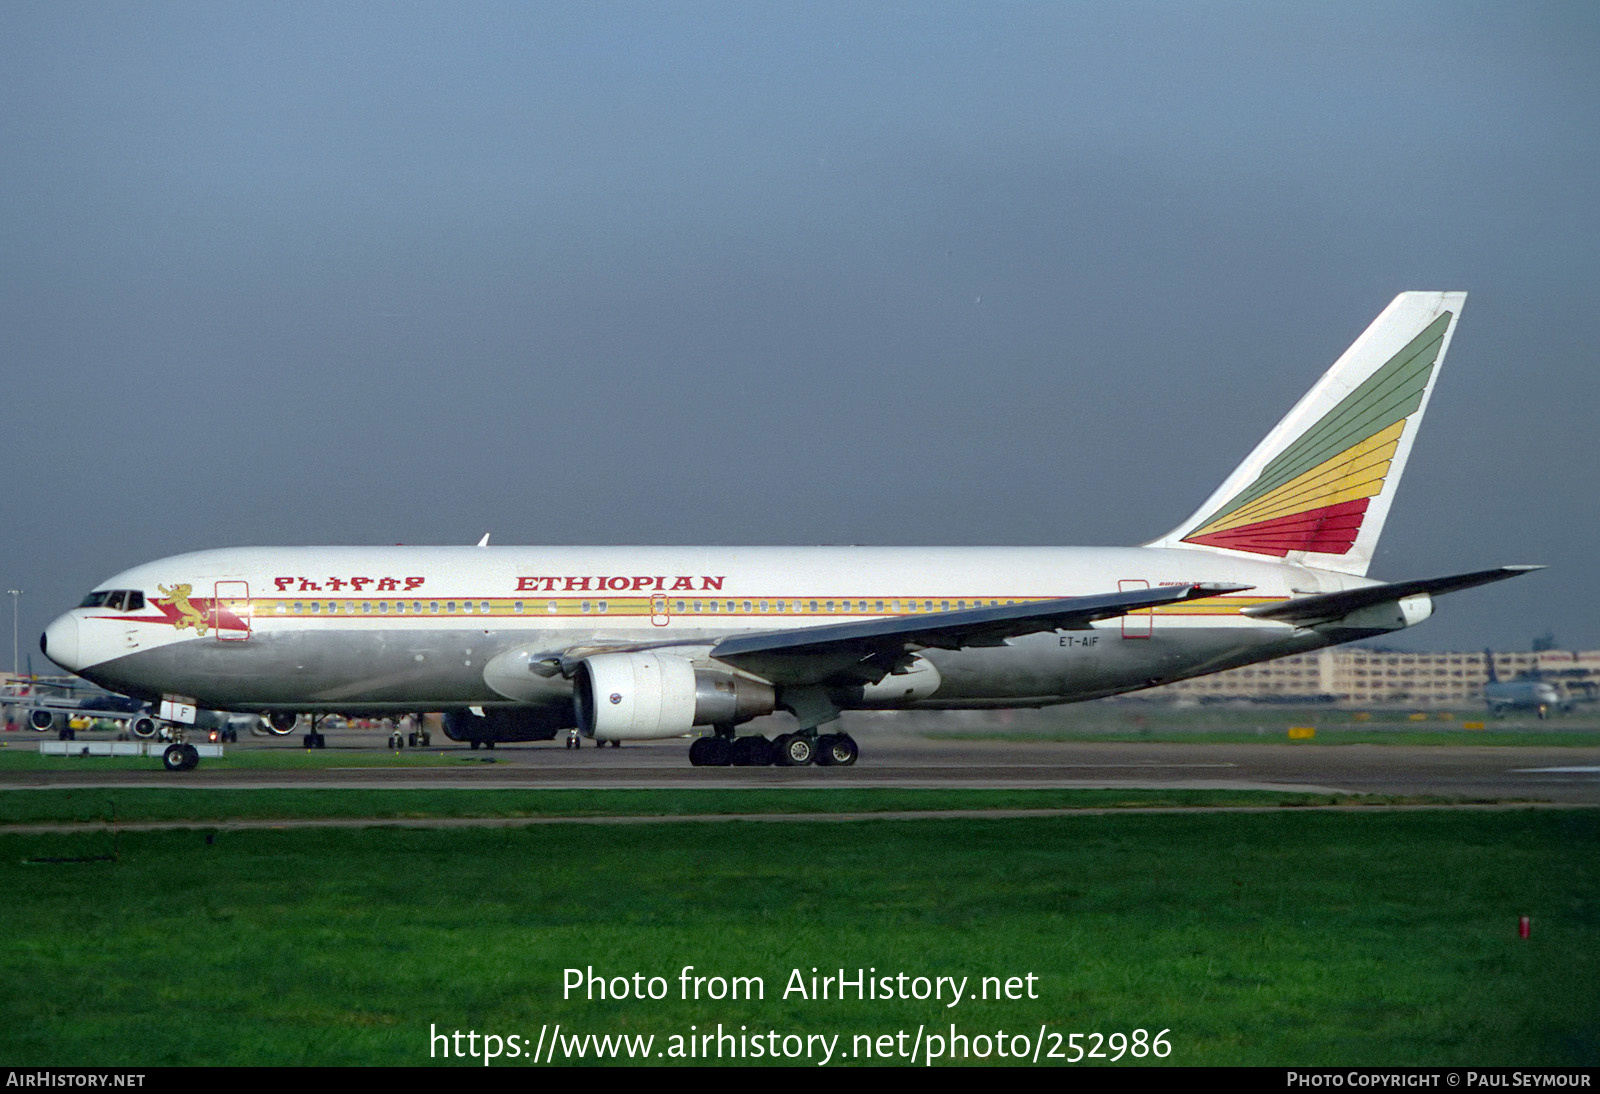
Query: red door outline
659	616
1136	624
232	597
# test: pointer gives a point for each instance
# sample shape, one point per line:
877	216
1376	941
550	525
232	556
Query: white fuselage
360	629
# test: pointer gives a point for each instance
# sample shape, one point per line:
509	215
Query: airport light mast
16	596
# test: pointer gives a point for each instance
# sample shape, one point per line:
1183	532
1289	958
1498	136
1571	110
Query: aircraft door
230	611
1136	624
659	615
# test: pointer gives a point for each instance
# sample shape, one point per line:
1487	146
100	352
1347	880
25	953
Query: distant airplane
1526	693
635	643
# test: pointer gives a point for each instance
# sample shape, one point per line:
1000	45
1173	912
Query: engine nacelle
638	696
144	727
282	722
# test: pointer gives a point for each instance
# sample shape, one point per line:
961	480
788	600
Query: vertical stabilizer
1316	491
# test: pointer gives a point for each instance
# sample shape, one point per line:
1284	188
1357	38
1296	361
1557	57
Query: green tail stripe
1388	395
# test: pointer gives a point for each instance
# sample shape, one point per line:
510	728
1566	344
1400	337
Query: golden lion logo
178	597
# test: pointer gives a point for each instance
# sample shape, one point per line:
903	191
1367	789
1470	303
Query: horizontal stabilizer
1325	607
867	651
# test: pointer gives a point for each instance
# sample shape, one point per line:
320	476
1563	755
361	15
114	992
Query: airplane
639	643
1525	693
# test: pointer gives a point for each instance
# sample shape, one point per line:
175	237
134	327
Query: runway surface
1545	774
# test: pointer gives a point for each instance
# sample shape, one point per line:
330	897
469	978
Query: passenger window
713	604
586	605
450	607
400	606
433	606
466	605
484	607
383	607
552	607
696	605
680	607
416	606
730	605
763	605
747	606
298	607
830	605
602	605
813	605
517	607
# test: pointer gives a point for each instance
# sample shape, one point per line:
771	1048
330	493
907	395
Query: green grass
1289	937
127	805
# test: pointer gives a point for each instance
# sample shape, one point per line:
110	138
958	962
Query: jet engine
636	696
282	722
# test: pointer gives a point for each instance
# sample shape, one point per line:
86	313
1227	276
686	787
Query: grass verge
1281	938
165	804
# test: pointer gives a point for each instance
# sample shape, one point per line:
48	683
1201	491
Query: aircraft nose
59	642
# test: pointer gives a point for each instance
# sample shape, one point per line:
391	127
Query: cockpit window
118	600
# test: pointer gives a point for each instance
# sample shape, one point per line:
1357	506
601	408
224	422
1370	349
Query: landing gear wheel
710	752
180	757
836	750
753	751
796	750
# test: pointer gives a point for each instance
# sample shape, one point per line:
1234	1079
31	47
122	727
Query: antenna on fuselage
484	542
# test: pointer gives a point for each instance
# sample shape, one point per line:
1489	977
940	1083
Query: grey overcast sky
921	273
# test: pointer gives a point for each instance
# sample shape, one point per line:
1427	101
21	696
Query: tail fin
1317	489
1488	664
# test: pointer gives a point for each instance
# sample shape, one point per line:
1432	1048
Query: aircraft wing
866	652
1306	611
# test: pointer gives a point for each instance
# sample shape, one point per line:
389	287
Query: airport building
1373	677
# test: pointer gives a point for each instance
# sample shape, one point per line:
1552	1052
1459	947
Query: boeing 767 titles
634	643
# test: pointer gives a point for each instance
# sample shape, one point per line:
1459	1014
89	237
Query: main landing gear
789	750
